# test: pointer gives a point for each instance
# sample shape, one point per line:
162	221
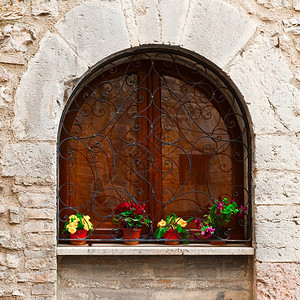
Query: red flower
137	209
122	207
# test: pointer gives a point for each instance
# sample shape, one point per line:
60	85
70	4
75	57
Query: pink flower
219	209
242	212
198	223
208	232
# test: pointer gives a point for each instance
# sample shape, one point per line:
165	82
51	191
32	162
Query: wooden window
156	129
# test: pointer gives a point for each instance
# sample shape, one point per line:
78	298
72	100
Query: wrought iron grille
160	128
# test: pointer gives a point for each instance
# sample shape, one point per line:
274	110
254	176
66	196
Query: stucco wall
46	46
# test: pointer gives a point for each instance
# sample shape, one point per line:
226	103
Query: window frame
197	59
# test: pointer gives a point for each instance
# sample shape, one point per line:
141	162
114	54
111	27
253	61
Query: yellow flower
72	230
72	227
73	218
181	222
162	223
87	224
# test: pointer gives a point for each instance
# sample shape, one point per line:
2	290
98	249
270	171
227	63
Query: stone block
37	240
17	294
270	87
131	25
6	84
2	209
13	260
49	76
276	281
3	272
36	197
40	213
271	4
292	25
95	30
224	30
28	160
4	235
12	241
14	215
16	37
44	7
296	5
172	19
269	124
39	226
278	152
39	253
12	58
4	75
43	289
277	233
37	277
12	10
40	264
2	259
148	21
276	187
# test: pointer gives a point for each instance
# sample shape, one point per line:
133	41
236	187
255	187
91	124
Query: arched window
160	128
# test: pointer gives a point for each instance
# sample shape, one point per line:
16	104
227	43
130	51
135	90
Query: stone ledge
155	249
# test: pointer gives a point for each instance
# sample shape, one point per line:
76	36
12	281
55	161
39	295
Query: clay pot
131	236
172	237
78	238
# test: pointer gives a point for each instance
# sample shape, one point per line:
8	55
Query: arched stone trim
95	30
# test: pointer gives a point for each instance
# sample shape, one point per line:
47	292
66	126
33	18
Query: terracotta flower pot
172	237
78	238
131	236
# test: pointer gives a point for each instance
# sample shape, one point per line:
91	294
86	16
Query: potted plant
131	217
78	226
172	230
206	230
219	215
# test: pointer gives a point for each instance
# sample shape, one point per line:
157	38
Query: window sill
155	249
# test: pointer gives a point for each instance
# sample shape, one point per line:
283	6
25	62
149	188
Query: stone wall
155	277
47	45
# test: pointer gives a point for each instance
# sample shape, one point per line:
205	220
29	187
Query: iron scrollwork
155	128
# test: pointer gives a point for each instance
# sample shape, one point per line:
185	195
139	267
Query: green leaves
179	229
173	223
189	220
160	232
131	219
220	213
